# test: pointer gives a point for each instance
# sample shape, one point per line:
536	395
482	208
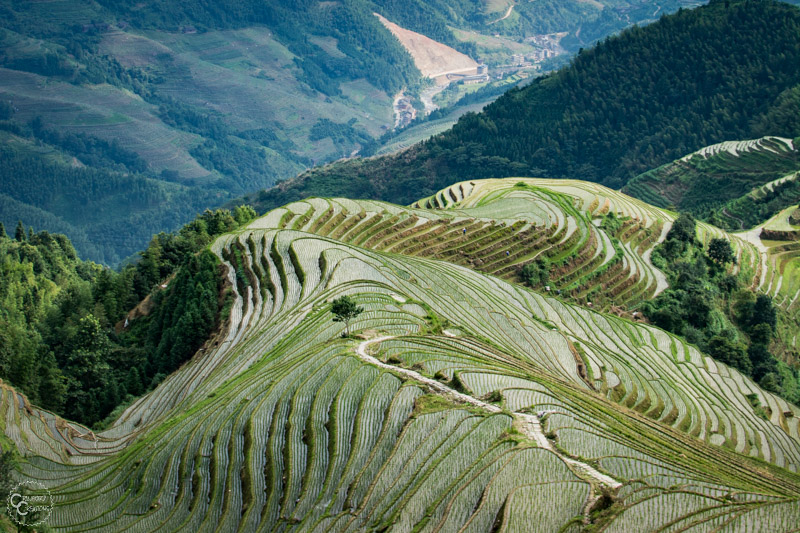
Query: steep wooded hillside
83	340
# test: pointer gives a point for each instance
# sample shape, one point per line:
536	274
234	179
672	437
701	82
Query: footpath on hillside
527	424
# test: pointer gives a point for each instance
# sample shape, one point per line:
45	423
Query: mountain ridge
750	180
606	117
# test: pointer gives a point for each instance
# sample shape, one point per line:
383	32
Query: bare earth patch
432	58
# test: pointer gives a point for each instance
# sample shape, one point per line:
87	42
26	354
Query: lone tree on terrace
345	309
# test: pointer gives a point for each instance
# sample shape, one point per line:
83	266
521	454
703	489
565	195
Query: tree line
714	309
66	337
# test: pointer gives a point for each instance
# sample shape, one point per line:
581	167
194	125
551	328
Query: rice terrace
419	266
461	400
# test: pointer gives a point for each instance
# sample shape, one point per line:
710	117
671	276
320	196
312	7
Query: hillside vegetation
648	96
67	338
463	401
734	185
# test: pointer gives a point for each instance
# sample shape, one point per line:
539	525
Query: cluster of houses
537	56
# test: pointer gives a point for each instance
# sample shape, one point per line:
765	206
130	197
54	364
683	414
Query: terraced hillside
735	184
525	224
766	256
466	403
778	241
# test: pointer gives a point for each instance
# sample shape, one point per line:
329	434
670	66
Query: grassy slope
277	422
249	77
244	77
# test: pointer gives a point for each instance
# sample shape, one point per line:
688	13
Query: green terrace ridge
464	402
521	224
734	184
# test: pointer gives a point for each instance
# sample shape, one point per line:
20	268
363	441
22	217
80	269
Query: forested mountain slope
464	400
725	71
83	340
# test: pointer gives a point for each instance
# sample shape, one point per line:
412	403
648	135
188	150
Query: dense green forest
726	71
107	210
714	310
66	339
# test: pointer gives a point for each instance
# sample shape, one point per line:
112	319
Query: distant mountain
205	101
729	70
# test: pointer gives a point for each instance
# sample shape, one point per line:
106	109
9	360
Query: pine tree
720	251
19	233
133	383
7	466
3	234
52	384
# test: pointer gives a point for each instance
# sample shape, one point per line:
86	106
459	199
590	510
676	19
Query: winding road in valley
504	17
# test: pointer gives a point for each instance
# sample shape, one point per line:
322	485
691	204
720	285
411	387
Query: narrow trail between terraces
527	424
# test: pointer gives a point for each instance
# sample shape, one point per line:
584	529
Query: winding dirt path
527	424
727	214
753	236
504	17
661	279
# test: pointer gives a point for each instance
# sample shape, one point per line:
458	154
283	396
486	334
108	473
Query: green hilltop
462	399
